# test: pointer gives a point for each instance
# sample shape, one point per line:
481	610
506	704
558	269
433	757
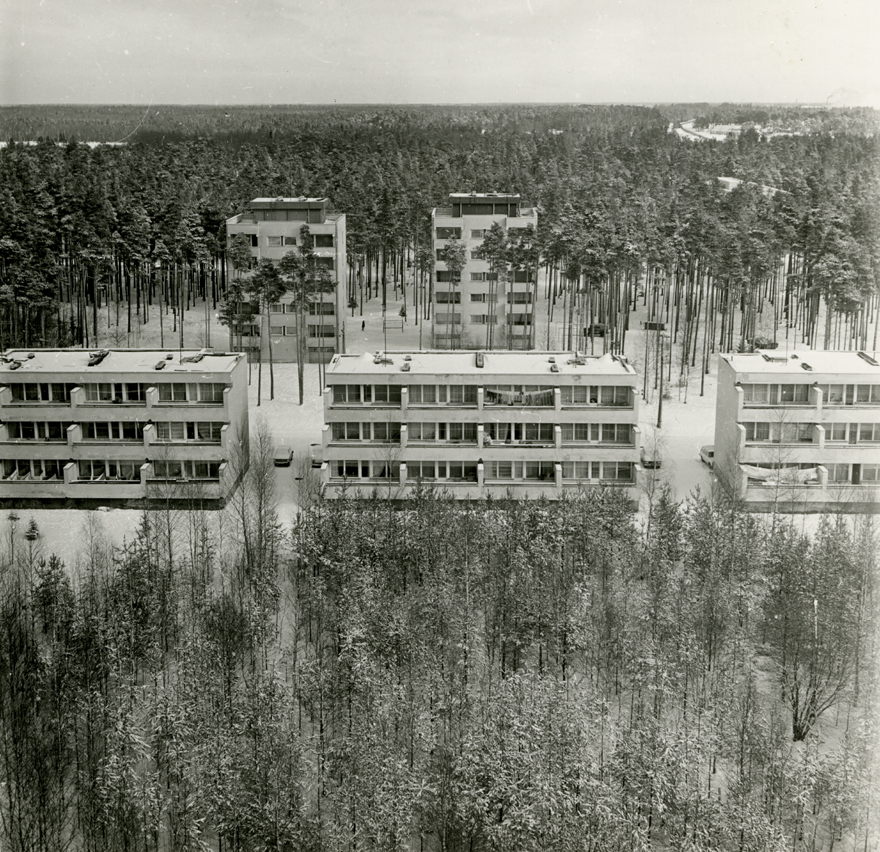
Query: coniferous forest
444	676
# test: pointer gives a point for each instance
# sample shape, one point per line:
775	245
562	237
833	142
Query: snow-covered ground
688	420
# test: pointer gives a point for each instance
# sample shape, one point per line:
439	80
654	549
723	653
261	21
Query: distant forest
621	200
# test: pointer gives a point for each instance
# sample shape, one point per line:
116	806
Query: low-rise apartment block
465	310
121	426
274	228
479	423
799	432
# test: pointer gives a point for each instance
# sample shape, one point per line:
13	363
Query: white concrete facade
273	226
463	312
116	427
799	433
479	424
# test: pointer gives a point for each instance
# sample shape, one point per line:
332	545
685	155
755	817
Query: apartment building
121	426
799	432
479	423
273	226
481	312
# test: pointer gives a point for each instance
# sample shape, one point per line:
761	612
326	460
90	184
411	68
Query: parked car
316	455
707	455
651	462
283	456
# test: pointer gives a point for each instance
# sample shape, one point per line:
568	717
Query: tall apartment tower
480	423
273	226
799	433
463	312
121	426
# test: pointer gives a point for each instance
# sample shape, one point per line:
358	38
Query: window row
322	331
315	308
116	392
186	469
854	474
206	392
57	392
604	471
799	394
204	431
100	470
390	470
529	395
791	433
23	470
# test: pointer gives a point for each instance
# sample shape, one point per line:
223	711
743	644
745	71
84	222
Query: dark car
283	456
652	461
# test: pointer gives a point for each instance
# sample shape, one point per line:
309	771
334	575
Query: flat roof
493	196
116	361
819	361
299	201
464	363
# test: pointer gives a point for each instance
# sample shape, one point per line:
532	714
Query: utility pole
660	400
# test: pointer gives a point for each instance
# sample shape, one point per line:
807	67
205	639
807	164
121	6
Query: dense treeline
622	202
450	676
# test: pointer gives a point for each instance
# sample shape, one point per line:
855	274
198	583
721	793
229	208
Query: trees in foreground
500	675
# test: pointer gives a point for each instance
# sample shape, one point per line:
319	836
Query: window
539	470
349	431
500	470
211	392
836	432
756	394
421	470
617	471
794	394
580	432
580	470
290	331
462	432
323	240
538	432
325	263
519	319
322	331
276	308
614	396
448	233
274	242
483	319
838	472
463	394
386	394
484	297
757	431
444	318
478	233
444	276
423	431
522	276
869	432
41	392
793	433
423	394
350	394
870	472
575	395
172	392
833	394
463	471
615	433
317	309
520	298
444	297
484	276
290	241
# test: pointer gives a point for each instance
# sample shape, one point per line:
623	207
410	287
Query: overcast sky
438	51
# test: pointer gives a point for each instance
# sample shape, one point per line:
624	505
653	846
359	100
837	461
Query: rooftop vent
194	359
479	360
408	358
169	356
15	365
160	365
95	358
767	357
554	368
30	355
552	360
404	368
806	366
794	357
866	357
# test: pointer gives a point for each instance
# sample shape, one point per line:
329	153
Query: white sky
438	51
